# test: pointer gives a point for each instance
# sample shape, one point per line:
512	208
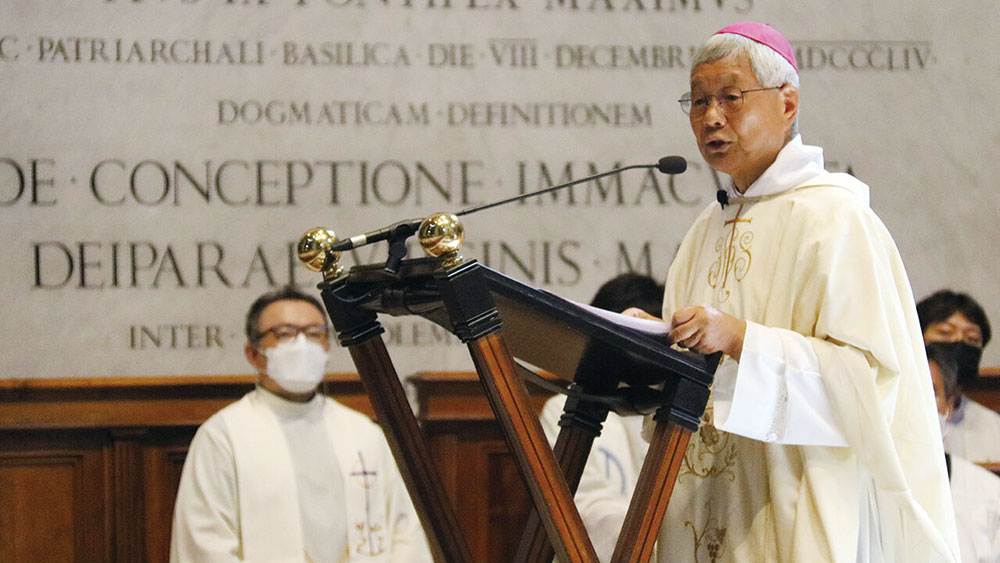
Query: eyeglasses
284	333
730	100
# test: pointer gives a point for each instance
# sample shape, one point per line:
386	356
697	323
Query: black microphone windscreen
672	165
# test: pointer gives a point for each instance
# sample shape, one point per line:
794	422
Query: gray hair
770	68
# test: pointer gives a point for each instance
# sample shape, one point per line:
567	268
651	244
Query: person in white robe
820	441
974	490
616	457
973	430
608	478
976	494
286	474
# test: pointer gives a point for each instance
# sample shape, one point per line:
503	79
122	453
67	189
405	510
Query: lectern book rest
513	330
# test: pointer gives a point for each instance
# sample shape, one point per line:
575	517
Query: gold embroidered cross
371	543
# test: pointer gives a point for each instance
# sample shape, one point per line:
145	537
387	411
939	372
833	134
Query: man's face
956	328
275	319
744	143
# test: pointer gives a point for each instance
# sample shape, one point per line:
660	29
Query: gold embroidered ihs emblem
732	257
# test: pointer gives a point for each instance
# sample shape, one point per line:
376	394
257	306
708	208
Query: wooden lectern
507	326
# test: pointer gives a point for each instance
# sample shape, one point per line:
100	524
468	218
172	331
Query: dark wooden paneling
986	389
53	494
163	460
138	402
89	468
474	462
507	502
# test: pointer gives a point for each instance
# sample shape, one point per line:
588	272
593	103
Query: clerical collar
795	164
289	409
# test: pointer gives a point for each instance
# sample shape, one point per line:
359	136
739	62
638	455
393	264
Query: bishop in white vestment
821	441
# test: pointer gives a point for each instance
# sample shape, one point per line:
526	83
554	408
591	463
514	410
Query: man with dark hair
616	457
974	490
630	290
949	316
973	430
286	474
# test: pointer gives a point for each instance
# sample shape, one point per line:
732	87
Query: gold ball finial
314	251
441	235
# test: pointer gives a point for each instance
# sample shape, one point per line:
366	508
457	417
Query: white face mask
298	365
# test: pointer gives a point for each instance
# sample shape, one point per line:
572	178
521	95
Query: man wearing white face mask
286	474
975	491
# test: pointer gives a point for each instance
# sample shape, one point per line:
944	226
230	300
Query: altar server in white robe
821	441
973	430
612	469
974	490
608	478
286	474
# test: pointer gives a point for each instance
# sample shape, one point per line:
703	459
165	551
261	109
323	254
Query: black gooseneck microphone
666	165
403	229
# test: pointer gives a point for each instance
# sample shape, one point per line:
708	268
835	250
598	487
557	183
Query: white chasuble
976	437
976	493
239	500
831	449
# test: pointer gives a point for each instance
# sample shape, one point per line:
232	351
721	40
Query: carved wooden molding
115	402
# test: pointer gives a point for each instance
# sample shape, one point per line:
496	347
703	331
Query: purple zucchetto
765	35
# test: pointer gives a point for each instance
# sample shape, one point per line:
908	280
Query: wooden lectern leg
652	493
409	448
539	469
571	450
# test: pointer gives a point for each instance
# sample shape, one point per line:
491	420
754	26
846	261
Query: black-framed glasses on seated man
318	333
730	99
